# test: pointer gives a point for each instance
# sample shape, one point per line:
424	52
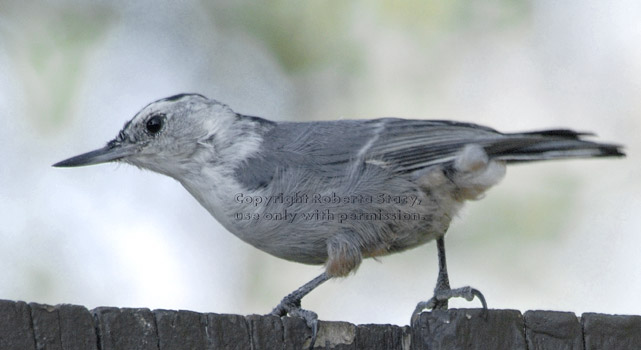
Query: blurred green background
560	236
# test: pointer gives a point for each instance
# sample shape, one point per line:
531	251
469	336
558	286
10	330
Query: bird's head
170	136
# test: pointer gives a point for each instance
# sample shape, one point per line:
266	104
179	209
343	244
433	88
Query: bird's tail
549	144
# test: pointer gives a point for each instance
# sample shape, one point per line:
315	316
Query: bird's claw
441	297
292	308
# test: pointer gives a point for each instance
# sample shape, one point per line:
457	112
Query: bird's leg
291	305
443	280
442	292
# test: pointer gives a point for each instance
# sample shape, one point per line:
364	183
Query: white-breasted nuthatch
330	192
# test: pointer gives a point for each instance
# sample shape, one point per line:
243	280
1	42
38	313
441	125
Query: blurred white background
560	236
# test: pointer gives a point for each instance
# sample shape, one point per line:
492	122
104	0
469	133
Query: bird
335	192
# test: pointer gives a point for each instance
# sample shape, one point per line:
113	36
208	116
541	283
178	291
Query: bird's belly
376	229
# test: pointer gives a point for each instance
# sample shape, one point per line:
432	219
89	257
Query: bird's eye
155	123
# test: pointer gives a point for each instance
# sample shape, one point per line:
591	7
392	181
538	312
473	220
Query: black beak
113	151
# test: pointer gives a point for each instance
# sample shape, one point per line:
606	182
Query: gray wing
331	149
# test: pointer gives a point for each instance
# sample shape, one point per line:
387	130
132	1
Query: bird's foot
291	306
441	297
